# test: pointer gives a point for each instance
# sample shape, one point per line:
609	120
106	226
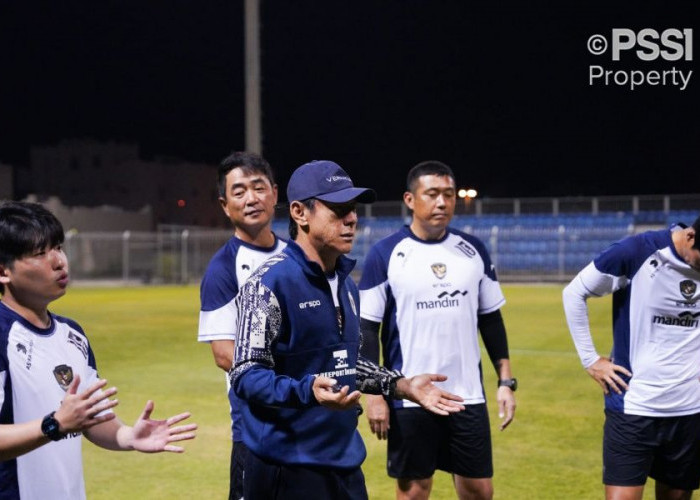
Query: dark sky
498	90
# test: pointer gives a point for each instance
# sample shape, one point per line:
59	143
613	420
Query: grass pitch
145	343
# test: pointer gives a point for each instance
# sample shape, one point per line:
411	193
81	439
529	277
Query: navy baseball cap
326	181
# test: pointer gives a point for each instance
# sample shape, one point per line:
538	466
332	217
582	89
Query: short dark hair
248	162
24	228
430	167
696	227
293	226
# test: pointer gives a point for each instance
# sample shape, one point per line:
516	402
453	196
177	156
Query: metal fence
519	253
142	257
550	244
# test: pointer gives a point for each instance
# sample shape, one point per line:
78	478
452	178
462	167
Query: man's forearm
574	298
18	439
370	339
502	367
223	353
493	333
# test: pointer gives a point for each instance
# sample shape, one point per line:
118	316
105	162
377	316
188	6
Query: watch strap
512	383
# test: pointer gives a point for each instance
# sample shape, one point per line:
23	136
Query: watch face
512	383
50	428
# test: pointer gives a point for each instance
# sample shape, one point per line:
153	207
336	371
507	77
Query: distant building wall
87	173
104	218
6	182
84	172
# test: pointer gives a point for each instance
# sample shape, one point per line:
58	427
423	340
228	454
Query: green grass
145	343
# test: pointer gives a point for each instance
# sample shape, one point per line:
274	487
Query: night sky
498	90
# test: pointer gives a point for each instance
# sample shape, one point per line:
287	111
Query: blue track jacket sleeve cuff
261	386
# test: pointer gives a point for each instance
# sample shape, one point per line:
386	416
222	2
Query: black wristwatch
509	382
50	428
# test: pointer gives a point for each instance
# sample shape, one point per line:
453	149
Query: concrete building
104	218
88	173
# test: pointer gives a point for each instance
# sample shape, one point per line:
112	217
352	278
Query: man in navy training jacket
297	360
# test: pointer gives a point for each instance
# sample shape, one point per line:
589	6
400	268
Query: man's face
433	202
332	226
38	278
250	200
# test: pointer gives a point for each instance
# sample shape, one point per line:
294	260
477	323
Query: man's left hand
420	389
328	393
153	436
506	405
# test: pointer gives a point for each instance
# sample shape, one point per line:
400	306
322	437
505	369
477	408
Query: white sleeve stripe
371	317
210	337
218	323
494	307
373	302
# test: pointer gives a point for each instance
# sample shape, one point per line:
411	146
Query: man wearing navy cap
297	352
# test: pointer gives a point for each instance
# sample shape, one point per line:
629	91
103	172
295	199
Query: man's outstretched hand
153	436
420	389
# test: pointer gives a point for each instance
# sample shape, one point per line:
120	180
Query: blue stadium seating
536	245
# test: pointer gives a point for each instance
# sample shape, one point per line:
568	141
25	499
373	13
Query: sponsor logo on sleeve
28	351
79	342
466	248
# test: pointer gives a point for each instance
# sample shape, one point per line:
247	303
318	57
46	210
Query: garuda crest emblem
64	376
439	270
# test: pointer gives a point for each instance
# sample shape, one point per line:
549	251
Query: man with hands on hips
651	379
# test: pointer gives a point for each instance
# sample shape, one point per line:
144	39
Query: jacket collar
343	265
